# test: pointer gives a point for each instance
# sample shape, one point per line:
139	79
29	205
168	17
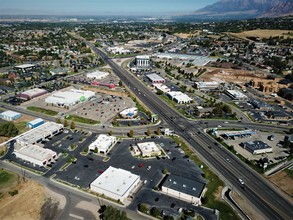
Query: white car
241	181
149	167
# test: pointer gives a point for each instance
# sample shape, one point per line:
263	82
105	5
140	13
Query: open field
262	33
31	200
284	182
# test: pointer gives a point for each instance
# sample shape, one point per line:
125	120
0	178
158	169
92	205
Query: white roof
236	93
143	57
36	121
97	74
203	84
115	181
103	142
34	91
162	87
23	66
148	147
155	77
180	96
69	97
10	113
36	152
39	132
129	110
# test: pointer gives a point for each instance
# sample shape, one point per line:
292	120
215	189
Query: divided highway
268	200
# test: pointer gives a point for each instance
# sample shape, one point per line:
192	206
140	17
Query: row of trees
8	129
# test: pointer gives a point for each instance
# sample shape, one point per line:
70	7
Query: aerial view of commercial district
146	118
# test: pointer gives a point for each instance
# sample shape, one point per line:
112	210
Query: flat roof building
256	147
32	93
155	78
25	67
36	155
183	188
10	115
149	149
35	123
103	143
116	183
39	133
233	134
70	98
162	87
97	75
206	85
179	97
260	104
236	95
129	113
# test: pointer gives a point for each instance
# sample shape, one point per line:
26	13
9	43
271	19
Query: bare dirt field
230	75
25	205
262	33
283	181
31	202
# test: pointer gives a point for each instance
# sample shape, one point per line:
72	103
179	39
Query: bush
142	208
13	193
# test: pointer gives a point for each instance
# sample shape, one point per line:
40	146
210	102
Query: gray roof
184	185
256	145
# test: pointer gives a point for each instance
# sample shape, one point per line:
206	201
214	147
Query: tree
111	213
96	150
110	132
65	123
165	171
8	129
72	126
158	131
155	211
148	132
58	120
131	133
142	207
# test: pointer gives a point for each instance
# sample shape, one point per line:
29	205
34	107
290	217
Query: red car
140	165
100	171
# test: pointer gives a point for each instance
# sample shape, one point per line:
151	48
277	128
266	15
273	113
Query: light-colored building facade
97	75
103	143
69	98
36	155
142	61
149	149
155	78
129	113
10	115
179	97
206	85
237	95
116	183
39	133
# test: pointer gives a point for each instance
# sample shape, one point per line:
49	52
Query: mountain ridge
254	8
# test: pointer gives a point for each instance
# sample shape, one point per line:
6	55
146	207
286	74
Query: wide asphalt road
268	200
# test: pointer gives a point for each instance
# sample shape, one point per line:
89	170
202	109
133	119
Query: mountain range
247	8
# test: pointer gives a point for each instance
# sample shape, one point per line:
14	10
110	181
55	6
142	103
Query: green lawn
21	126
82	120
6	178
42	110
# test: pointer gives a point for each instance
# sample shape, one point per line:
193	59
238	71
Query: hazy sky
96	7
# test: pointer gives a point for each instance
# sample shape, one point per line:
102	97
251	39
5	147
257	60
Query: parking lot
278	151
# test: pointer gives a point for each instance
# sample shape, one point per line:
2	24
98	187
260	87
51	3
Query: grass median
42	110
82	120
